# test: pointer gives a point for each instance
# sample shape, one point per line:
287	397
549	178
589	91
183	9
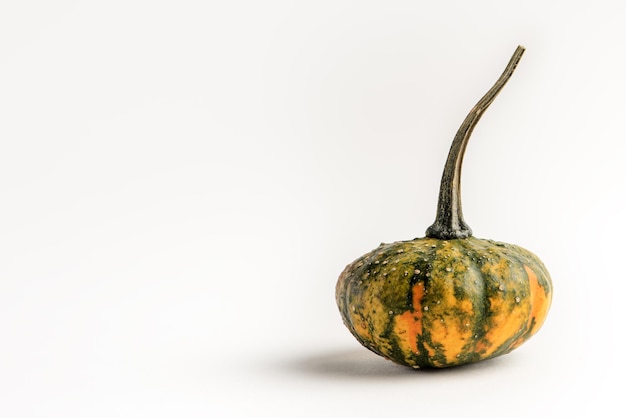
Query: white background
181	183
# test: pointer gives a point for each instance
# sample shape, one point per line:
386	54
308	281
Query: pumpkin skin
440	303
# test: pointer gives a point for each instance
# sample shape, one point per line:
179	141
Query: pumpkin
448	298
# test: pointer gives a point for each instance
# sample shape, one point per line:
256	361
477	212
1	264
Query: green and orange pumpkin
449	298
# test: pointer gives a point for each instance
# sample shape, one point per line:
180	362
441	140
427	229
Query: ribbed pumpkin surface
441	303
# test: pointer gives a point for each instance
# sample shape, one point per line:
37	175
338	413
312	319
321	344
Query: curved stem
449	223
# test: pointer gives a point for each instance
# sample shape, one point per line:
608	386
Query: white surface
182	182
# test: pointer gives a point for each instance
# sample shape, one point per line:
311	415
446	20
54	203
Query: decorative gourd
446	299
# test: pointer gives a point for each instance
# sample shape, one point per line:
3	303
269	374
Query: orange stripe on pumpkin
540	302
454	333
408	325
507	318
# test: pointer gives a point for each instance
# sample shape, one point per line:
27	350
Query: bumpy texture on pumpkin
441	303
